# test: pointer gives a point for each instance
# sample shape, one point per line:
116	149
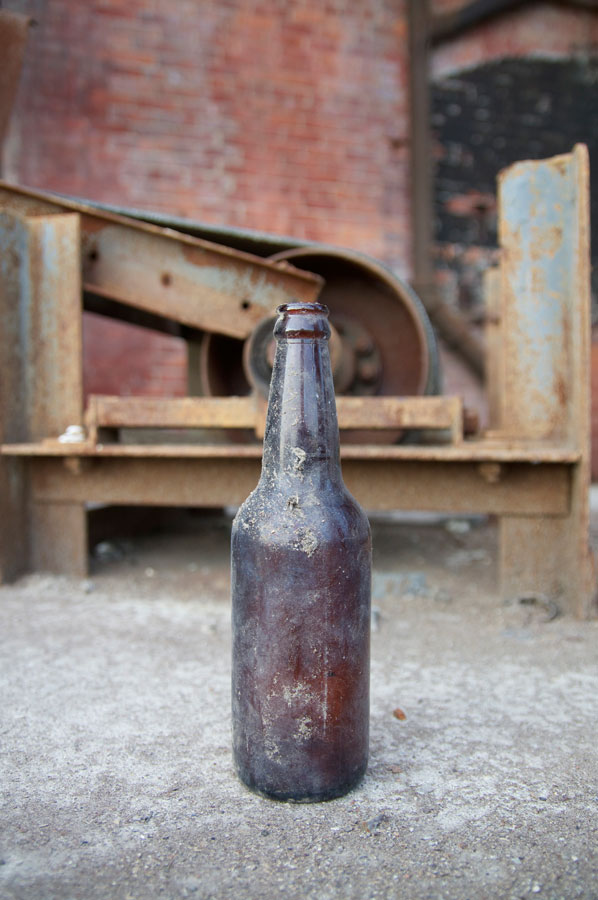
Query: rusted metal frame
484	453
544	345
540	308
443	413
55	378
175	412
557	537
169	274
452	487
51	306
43	393
450	323
14	501
459	487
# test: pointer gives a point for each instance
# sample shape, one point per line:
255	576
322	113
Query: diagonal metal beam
178	277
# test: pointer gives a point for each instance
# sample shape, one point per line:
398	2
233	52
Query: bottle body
301	571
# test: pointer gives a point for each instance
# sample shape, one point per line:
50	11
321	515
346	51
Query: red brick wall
287	117
128	360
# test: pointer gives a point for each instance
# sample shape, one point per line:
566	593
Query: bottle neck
301	442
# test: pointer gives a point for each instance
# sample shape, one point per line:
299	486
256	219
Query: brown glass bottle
301	572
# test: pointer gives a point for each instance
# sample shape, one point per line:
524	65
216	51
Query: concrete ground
116	770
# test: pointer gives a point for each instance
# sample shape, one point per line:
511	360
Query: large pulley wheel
383	341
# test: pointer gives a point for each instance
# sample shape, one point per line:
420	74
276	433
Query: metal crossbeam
158	271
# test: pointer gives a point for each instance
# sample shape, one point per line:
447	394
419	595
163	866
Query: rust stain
560	391
545	241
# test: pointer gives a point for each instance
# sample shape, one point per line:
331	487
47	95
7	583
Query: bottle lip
298	319
299	307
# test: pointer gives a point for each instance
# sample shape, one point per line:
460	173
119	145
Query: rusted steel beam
444	413
50	304
406	413
479	451
14	544
540	294
174	412
454	487
40	355
545	341
202	285
54	376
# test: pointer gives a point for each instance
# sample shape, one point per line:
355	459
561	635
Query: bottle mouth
296	307
298	319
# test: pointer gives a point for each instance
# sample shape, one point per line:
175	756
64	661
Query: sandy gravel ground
116	773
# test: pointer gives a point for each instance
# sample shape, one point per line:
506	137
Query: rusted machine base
450	487
531	469
532	498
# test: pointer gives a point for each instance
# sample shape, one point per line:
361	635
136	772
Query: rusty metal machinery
384	341
530	468
382	344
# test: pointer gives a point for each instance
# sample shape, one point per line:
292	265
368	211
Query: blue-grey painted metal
539	236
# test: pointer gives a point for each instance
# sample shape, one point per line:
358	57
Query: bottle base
299	796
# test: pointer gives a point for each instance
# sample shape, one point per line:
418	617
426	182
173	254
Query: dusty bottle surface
301	572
